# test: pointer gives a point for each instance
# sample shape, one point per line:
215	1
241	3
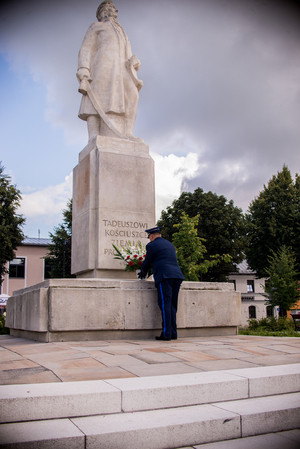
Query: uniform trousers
168	291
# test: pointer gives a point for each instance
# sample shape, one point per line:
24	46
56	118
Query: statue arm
86	52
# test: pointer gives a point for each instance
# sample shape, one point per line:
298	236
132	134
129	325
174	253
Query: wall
34	268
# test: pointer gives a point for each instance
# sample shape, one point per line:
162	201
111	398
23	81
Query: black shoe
162	338
173	338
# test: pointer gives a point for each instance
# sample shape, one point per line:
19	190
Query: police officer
168	278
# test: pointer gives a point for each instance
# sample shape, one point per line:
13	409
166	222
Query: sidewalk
26	362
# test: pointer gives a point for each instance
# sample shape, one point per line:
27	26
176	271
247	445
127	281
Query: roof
243	268
36	242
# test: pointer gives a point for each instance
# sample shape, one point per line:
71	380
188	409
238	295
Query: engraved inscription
124	233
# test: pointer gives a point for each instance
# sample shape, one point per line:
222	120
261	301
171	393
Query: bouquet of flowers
133	256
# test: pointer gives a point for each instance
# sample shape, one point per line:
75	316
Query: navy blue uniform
168	278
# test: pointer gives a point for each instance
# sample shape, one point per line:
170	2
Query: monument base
107	274
97	309
113	204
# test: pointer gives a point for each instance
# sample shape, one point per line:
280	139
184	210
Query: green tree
221	224
59	256
282	287
273	221
11	233
190	249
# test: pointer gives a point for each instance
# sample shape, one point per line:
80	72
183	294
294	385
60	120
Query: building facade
28	267
251	289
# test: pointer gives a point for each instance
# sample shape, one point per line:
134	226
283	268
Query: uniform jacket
161	253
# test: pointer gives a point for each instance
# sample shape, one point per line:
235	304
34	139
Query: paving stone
119	360
225	353
17	364
161	369
73	364
194	356
150	357
272	360
7	356
37	348
53	361
27	376
286	348
166	350
255	350
95	373
227	364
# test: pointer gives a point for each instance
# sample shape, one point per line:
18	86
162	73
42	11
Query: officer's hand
141	275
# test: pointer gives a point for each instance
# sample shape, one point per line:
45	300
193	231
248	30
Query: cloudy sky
220	105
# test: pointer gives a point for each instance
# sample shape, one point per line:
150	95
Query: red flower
144	255
128	257
140	263
135	256
130	263
140	258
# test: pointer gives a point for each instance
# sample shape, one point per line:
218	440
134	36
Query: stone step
289	439
159	429
77	399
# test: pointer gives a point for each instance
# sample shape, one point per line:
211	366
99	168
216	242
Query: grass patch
265	333
270	327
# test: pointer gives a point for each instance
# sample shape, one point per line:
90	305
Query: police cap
152	230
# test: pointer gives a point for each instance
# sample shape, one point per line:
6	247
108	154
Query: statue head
105	10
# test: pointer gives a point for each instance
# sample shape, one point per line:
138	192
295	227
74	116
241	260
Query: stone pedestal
95	309
113	203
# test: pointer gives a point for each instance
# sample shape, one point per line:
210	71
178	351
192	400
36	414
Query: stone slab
159	429
160	369
50	434
220	365
49	400
264	381
266	414
27	376
283	440
179	390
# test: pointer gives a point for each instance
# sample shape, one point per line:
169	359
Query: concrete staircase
151	412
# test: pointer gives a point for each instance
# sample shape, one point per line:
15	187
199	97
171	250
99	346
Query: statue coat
104	51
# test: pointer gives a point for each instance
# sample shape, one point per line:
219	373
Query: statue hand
83	72
137	65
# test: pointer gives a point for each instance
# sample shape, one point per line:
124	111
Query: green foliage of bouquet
133	256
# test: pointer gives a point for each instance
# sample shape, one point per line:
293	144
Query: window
47	270
250	286
17	268
252	312
269	310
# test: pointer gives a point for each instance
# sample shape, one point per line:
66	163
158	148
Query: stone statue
107	75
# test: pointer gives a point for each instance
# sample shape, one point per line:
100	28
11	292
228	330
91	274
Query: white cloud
170	173
48	201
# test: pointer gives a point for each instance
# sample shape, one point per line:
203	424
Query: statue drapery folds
107	75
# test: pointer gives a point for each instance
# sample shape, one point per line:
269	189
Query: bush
3	330
281	326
